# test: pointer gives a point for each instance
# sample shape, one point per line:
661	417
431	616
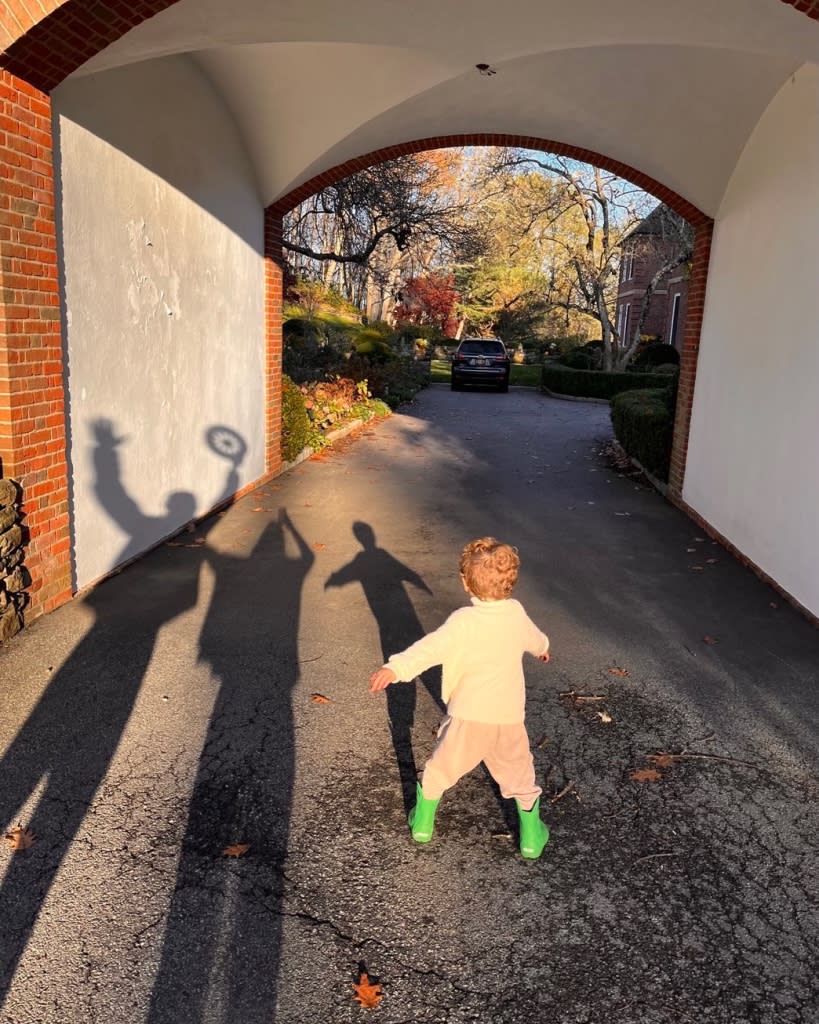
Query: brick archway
702	224
44	42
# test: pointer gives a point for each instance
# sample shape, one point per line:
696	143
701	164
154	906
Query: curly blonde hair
489	568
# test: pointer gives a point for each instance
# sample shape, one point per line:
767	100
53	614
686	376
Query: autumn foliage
429	299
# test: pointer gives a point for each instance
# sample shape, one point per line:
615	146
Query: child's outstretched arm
381	679
423	654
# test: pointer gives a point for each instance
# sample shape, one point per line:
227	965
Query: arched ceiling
671	89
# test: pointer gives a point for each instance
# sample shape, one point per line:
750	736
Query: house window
628	265
622	323
675	320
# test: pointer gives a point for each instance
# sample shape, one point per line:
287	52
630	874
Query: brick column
32	392
274	294
689	355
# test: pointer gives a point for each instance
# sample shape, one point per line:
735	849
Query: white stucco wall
753	460
162	241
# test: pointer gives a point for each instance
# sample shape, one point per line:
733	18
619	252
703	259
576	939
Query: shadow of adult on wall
65	747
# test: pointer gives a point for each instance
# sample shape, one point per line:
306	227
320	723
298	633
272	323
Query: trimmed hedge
297	431
597	383
643	422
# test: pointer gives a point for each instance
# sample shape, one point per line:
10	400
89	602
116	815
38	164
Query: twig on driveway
566	789
690	755
652	856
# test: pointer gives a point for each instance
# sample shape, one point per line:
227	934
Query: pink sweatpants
504	749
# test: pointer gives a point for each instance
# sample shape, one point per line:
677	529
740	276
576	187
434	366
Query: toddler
480	648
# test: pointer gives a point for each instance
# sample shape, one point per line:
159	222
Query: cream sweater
480	649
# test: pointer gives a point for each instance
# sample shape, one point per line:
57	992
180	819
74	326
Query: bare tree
388	221
597	210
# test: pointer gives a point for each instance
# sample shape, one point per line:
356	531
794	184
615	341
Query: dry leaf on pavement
604	716
236	850
366	993
615	671
662	760
710	640
319	698
319	547
19	838
645	775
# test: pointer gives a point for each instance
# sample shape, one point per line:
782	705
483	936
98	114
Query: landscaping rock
10	540
8	493
11	622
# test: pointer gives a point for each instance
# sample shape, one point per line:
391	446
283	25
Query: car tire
504	387
454	386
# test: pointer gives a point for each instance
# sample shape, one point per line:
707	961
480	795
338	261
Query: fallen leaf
319	547
615	671
645	775
695	568
604	716
20	838
366	993
319	698
711	561
710	640
662	760
236	850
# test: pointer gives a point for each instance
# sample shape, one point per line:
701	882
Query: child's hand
544	656
381	679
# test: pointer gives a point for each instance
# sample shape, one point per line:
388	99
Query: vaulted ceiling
671	89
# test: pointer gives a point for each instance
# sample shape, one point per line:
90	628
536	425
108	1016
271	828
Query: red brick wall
809	7
274	295
46	40
32	402
689	354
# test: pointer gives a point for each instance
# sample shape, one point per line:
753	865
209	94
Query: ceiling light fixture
486	69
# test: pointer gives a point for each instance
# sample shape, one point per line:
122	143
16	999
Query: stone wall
14	577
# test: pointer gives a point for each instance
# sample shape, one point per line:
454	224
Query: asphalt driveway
215	694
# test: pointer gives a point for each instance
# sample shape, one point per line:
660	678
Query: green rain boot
422	816
534	834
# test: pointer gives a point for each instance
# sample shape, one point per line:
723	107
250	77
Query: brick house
654	241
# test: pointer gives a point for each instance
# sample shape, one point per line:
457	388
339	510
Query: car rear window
482	347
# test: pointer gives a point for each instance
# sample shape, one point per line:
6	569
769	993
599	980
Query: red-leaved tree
429	299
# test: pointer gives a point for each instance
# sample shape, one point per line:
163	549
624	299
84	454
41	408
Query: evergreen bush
297	432
564	380
655	354
644	425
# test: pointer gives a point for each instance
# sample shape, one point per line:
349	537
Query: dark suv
481	361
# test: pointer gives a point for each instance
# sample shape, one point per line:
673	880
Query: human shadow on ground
222	940
383	579
64	748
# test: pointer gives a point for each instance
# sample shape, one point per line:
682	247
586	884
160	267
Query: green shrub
667	368
655	354
644	426
563	380
578	359
297	432
563	343
372	341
